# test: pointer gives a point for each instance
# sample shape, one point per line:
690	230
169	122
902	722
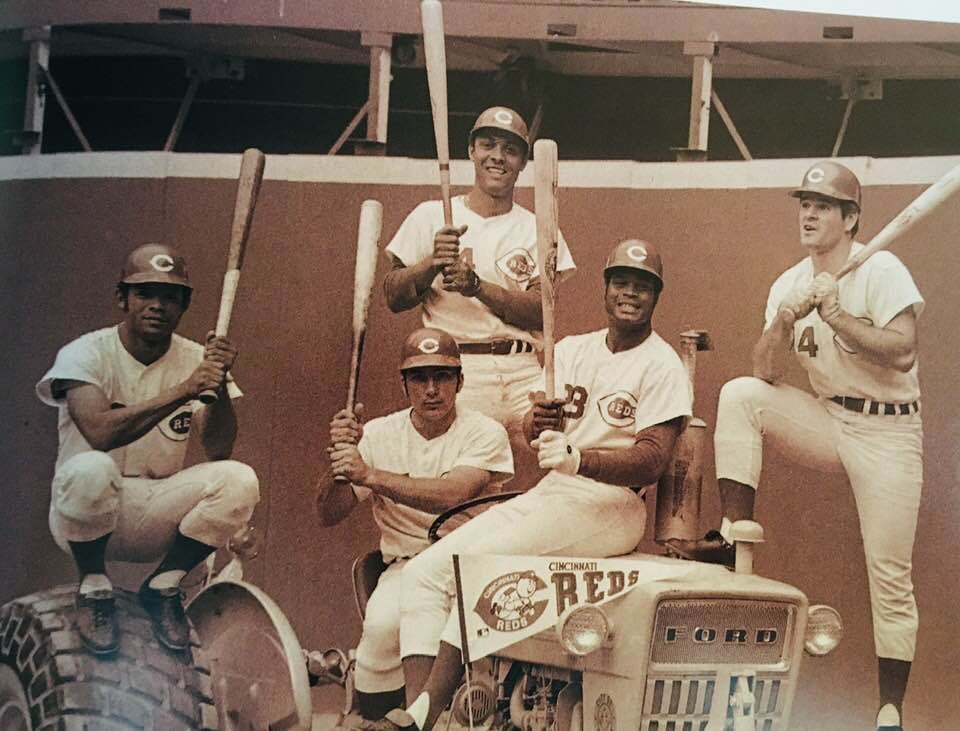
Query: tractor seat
366	573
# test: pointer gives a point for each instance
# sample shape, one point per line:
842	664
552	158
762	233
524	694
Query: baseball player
127	400
416	463
478	279
626	397
857	340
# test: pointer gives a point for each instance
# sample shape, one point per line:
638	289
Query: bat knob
208	396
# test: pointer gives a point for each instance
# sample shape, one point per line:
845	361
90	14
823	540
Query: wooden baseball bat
368	241
248	188
920	208
545	205
431	17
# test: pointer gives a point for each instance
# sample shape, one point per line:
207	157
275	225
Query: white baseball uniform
139	492
613	397
879	447
502	250
392	443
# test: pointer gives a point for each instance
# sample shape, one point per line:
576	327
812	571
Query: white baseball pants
378	666
882	457
560	516
500	386
208	502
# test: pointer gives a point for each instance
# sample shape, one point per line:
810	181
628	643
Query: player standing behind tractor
627	394
127	399
857	339
416	463
478	279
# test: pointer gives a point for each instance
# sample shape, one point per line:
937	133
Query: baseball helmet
155	263
504	119
635	254
429	346
832	180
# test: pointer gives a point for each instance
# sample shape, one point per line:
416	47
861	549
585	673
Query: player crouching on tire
415	463
857	339
626	397
127	400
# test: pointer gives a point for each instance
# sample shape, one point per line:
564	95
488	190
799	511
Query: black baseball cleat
712	548
96	621
165	607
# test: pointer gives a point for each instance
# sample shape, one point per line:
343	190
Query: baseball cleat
712	548
165	607
96	621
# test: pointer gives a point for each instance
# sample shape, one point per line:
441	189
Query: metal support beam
731	127
700	96
182	113
71	120
379	87
345	135
36	98
843	126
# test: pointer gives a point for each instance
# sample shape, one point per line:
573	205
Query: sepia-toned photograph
495	365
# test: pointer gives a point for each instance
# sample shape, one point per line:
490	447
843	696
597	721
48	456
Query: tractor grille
723	631
685	703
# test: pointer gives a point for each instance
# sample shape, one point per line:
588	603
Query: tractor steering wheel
463	512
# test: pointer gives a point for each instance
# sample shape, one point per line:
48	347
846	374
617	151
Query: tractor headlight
824	629
583	629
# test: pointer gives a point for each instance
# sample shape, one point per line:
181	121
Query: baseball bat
920	208
545	205
368	240
431	17
248	188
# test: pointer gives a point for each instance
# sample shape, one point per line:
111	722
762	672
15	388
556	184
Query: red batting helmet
832	180
504	119
635	254
429	346
155	263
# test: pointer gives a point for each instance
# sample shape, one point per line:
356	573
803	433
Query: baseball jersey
501	249
876	292
392	443
100	358
614	396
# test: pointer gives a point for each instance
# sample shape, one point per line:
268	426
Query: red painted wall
62	242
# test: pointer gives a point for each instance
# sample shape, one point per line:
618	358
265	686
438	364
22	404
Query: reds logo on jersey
518	265
618	409
177	427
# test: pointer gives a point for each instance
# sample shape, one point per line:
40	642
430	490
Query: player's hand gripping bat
248	188
545	203
368	240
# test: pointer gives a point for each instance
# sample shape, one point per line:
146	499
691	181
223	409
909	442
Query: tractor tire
49	680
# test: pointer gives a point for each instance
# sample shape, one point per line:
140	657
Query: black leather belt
497	347
866	406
